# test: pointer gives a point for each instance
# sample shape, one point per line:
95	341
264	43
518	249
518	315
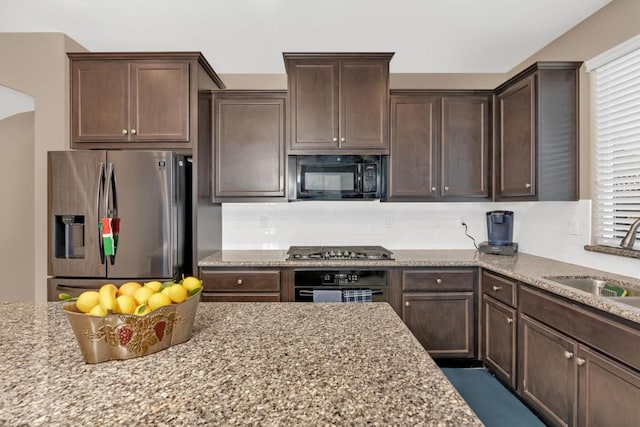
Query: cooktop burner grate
356	253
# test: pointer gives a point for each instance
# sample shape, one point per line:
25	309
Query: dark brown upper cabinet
440	145
122	99
338	102
248	145
537	134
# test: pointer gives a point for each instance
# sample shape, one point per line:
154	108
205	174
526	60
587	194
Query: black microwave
336	177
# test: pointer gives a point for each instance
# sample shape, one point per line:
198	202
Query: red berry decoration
159	328
124	335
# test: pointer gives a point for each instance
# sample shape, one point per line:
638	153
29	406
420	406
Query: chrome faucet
630	238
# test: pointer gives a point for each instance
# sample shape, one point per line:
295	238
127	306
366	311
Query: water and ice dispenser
69	236
499	234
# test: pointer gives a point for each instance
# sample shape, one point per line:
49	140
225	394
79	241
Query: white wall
557	230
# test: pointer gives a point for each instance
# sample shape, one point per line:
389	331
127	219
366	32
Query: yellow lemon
192	284
165	291
141	310
177	293
125	304
155	285
97	310
142	295
87	300
107	294
158	300
128	288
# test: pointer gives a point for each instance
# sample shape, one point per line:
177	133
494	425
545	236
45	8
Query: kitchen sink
596	286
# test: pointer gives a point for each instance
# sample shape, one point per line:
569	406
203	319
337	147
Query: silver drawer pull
133	132
509	320
580	361
239	281
496	288
125	132
568	355
438	280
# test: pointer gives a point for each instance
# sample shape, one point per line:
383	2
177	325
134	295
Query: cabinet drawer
612	338
437	280
500	288
241	280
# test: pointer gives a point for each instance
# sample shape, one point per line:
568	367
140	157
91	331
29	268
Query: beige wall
36	64
610	26
17	212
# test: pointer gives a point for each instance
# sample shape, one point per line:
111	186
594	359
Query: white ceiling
249	36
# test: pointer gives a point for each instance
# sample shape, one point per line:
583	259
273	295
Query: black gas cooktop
363	253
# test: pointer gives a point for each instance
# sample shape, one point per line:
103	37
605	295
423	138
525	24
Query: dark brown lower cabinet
567	382
608	393
548	372
442	322
499	339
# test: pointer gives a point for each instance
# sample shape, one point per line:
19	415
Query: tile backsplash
557	230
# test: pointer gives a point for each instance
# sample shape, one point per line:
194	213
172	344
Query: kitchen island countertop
257	364
529	269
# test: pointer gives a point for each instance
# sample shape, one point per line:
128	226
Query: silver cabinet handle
438	280
496	288
580	361
433	188
125	132
343	139
239	281
509	320
446	188
527	185
335	139
406	303
568	355
133	132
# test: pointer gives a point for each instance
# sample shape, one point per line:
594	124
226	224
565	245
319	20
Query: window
616	101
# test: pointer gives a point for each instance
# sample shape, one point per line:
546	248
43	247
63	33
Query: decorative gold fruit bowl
125	336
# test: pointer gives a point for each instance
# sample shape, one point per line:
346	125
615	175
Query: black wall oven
306	281
330	177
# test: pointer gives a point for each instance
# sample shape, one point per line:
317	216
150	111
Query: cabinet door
364	104
516	141
160	101
499	344
415	126
314	91
442	322
249	147
465	147
547	372
608	392
100	101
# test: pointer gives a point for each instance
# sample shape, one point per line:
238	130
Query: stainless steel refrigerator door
144	200
74	207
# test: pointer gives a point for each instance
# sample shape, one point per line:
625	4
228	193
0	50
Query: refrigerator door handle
113	212
99	196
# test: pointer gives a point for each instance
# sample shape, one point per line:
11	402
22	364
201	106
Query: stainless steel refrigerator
115	216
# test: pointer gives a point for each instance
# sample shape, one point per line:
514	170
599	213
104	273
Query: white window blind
617	128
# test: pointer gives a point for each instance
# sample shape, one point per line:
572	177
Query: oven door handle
309	292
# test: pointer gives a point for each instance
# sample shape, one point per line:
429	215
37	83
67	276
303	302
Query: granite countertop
246	363
526	268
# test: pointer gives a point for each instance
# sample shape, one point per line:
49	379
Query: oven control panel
340	277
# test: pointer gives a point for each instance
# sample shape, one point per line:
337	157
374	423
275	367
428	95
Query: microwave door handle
99	195
360	168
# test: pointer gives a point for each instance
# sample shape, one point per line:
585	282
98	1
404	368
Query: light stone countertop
246	364
526	268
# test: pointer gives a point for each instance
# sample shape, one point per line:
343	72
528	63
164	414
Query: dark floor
492	402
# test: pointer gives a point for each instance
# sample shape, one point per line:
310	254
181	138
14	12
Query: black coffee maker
499	234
